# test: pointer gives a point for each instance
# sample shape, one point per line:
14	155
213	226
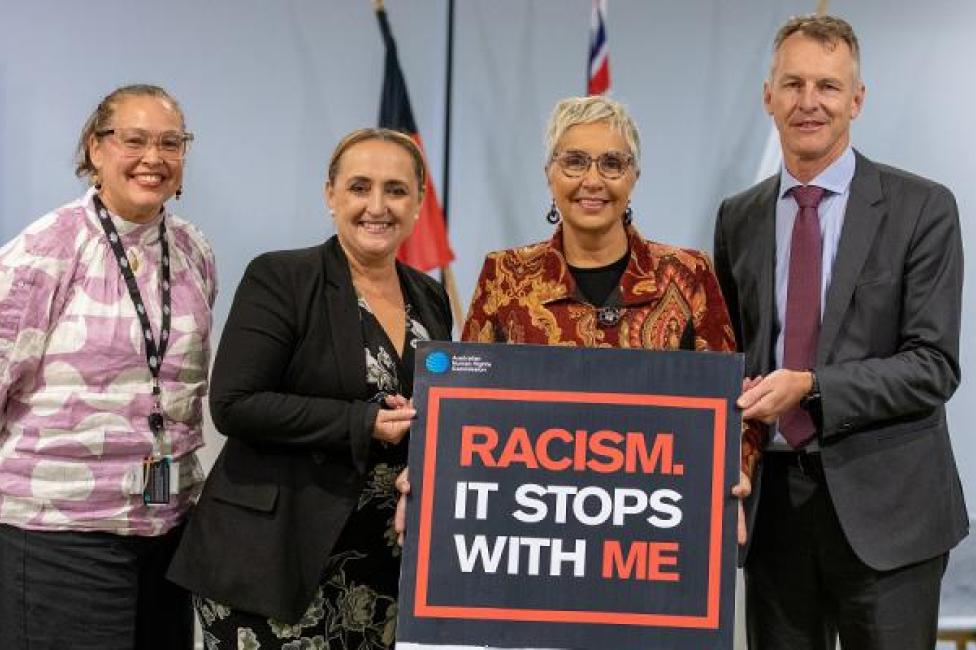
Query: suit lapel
423	300
343	310
861	220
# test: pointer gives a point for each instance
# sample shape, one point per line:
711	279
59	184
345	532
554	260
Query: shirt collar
128	230
836	178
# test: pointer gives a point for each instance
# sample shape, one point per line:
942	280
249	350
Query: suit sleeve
924	371
723	271
255	351
715	332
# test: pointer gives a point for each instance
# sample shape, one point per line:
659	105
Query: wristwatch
811	401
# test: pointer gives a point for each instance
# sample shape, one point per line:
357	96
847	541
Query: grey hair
826	30
586	110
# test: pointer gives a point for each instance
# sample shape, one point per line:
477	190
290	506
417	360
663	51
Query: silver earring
628	215
553	215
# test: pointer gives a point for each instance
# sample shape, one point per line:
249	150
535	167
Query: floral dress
355	606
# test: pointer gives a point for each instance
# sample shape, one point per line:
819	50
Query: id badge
156	478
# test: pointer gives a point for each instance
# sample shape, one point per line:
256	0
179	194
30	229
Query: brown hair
402	140
827	30
103	114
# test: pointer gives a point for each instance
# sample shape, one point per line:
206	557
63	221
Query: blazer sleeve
924	371
714	332
726	281
256	349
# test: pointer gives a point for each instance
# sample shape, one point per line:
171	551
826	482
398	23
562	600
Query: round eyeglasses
171	145
610	165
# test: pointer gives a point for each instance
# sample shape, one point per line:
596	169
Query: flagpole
400	116
448	86
447	273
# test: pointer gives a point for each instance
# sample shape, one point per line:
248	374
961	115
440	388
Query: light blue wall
270	86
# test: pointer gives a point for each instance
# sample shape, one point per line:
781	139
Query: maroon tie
802	306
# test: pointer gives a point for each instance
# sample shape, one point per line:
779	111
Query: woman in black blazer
292	539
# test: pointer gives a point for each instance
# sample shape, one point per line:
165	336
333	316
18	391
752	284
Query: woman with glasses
292	544
105	311
597	282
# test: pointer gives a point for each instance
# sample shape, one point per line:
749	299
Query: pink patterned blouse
75	390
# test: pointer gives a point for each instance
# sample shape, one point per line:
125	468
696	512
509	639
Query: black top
597	284
365	561
289	389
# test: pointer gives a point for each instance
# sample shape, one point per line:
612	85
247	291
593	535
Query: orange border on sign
710	620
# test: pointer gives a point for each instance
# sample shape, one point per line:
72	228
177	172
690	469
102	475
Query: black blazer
288	390
887	356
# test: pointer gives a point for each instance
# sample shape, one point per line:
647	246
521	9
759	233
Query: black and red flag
427	247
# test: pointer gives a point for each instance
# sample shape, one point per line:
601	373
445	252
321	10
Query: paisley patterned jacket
668	299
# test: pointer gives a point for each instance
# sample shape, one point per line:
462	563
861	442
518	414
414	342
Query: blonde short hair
586	110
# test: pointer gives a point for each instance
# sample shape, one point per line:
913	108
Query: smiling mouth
376	227
808	125
148	180
591	203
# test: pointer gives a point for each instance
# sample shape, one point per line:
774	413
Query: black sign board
571	498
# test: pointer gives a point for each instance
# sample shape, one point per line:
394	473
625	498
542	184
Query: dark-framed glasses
611	165
171	145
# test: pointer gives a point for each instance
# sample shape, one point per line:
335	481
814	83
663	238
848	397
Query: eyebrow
369	179
613	151
819	80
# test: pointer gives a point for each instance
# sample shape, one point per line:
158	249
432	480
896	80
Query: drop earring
553	215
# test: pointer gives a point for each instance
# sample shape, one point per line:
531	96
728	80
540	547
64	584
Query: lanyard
154	353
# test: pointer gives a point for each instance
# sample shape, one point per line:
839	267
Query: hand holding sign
402	484
393	420
740	491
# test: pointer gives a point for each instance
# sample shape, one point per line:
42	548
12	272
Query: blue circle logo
438	362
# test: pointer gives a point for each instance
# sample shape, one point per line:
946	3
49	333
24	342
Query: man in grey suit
843	278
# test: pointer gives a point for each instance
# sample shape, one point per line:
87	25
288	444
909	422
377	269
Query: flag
598	72
427	246
772	156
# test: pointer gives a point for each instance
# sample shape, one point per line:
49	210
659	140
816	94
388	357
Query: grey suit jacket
887	356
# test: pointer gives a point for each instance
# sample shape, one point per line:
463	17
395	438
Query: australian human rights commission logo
438	362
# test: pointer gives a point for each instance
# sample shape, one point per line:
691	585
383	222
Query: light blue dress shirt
836	179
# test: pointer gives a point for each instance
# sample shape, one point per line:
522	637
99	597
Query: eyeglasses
171	145
611	165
